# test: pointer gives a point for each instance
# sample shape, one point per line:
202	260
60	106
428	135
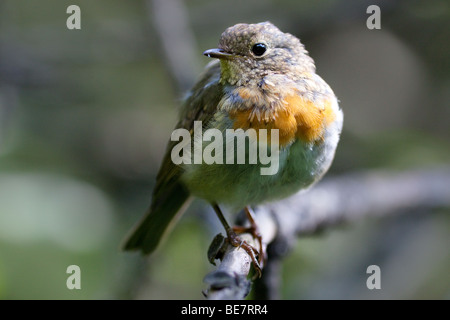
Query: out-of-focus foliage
85	116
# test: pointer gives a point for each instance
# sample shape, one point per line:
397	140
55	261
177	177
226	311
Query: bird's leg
253	230
236	241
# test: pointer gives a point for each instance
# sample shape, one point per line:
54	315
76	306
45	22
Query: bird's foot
236	241
233	238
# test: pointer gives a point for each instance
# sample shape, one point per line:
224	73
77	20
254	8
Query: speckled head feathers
252	51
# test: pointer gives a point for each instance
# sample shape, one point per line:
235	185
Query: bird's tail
159	219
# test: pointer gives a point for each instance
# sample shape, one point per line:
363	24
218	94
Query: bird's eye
259	49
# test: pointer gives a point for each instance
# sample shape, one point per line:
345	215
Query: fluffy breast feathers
299	110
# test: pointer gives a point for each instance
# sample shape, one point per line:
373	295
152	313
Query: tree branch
335	200
170	19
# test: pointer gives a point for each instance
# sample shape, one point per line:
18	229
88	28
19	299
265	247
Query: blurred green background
85	116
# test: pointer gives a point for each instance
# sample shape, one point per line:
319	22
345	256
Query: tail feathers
160	218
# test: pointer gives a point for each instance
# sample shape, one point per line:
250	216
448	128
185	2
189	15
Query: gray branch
179	47
335	200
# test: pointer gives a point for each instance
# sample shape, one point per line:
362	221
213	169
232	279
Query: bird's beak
218	54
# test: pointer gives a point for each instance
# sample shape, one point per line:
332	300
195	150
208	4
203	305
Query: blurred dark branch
335	200
171	22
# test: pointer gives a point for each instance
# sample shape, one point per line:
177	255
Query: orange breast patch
294	117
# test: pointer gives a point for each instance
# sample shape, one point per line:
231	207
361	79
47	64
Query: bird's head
249	52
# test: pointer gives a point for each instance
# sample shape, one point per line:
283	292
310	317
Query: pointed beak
218	54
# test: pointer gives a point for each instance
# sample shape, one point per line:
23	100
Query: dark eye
259	49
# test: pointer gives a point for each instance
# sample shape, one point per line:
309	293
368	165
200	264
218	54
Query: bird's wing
170	195
200	105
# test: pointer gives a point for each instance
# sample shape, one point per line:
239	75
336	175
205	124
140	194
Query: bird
261	79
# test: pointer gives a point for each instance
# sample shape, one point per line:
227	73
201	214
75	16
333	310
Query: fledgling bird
263	78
